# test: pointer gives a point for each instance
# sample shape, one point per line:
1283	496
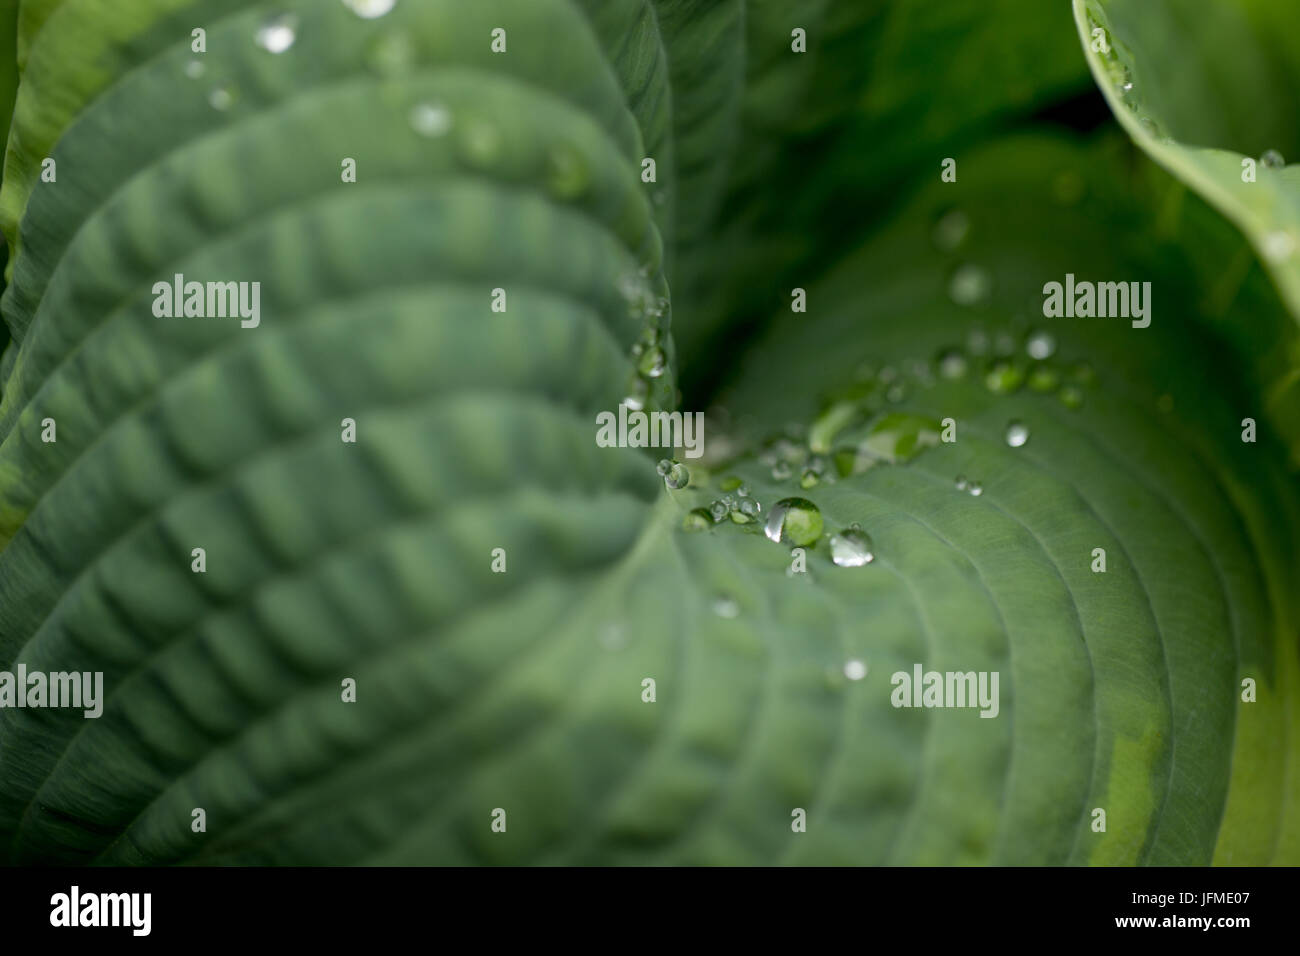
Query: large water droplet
674	474
277	35
970	285
1017	434
370	9
430	119
855	669
795	520
1272	159
852	548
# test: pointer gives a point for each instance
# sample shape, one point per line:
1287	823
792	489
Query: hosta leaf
1202	87
523	690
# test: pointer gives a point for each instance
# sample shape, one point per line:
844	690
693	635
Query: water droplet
781	471
567	176
746	510
724	606
194	69
370	9
1017	434
970	285
852	548
1272	159
1071	396
731	483
809	479
976	489
674	474
855	669
952	364
795	520
1040	345
718	510
899	437
1004	378
221	98
277	35
1044	378
652	362
430	119
961	483
1278	246
480	142
665	465
950	230
697	520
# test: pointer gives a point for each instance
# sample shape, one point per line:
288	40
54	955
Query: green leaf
1203	87
523	690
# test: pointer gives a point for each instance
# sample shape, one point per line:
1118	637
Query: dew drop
855	669
976	489
278	34
1040	345
430	119
221	98
1278	246
724	606
746	510
718	510
952	364
794	520
698	519
1071	396
781	471
567	176
1004	378
1044	378
950	230
1017	434
370	9
652	362
970	285
961	483
809	479
674	474
852	548
1272	159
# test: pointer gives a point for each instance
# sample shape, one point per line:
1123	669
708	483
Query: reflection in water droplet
1272	159
795	520
852	548
430	119
697	520
1040	345
970	285
952	363
724	606
277	35
370	9
1017	434
855	669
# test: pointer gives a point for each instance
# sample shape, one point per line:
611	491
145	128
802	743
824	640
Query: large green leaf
523	690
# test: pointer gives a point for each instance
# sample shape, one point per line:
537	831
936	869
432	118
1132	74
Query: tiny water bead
976	489
221	98
970	285
724	606
1272	159
1040	345
1004	378
1043	378
961	483
746	510
430	119
1071	396
278	34
855	669
718	510
370	9
852	548
781	471
796	521
651	362
674	474
1017	434
952	364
